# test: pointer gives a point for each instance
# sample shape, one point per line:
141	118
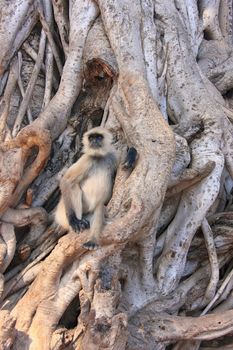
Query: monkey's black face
96	140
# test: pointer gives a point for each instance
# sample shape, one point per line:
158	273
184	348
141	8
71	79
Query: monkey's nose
96	144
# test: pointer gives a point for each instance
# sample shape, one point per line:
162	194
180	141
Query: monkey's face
96	140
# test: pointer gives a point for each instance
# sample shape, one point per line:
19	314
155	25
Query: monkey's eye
99	137
96	137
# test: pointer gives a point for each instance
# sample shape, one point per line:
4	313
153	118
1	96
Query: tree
158	74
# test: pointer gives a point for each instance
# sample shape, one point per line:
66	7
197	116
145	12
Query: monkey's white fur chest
96	189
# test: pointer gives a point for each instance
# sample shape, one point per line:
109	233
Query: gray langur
87	185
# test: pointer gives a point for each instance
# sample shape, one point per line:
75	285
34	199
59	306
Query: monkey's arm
72	194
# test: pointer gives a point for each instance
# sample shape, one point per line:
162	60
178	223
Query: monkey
87	185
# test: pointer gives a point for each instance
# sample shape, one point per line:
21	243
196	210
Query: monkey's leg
77	221
96	227
72	196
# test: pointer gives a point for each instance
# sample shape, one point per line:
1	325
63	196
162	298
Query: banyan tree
159	75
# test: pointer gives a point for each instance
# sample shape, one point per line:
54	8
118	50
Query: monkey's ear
131	158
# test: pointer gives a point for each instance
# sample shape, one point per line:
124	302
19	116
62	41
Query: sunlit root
16	151
7	330
188	178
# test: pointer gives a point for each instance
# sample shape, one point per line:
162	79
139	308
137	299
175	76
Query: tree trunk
158	75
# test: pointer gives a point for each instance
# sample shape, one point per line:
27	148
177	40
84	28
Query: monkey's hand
91	245
77	224
131	158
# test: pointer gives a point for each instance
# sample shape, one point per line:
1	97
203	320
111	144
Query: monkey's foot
85	224
77	224
90	245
